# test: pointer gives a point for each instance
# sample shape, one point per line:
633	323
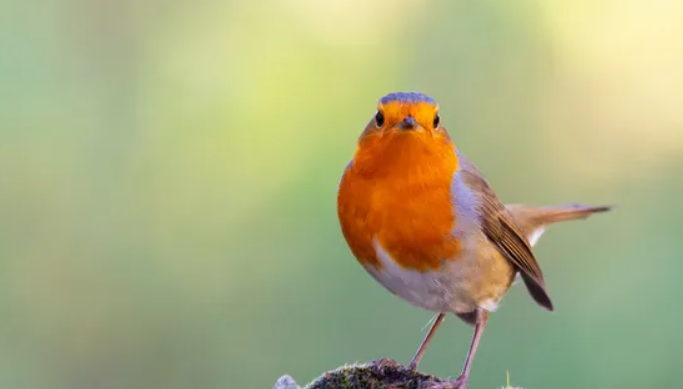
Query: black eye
437	120
379	119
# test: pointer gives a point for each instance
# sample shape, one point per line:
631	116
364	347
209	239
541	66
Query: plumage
534	220
396	190
501	230
426	224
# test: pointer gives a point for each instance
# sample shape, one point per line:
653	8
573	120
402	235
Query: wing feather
500	229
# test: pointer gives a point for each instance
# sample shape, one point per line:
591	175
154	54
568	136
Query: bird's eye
379	119
437	120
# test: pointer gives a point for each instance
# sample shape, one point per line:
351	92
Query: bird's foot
382	362
413	365
460	383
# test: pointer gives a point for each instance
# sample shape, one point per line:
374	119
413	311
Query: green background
168	175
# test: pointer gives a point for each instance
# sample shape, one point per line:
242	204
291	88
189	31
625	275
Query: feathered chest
404	204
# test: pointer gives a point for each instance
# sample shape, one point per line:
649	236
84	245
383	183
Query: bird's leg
461	382
418	355
482	318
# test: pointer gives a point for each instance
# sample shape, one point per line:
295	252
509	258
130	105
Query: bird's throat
401	189
409	157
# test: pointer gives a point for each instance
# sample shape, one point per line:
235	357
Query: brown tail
532	221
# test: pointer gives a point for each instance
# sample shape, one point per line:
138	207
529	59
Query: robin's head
403	112
406	132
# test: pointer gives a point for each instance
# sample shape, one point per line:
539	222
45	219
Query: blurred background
168	176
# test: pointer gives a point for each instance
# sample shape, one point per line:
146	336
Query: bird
425	223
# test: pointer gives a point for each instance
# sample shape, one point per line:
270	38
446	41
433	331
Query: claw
460	383
382	362
413	366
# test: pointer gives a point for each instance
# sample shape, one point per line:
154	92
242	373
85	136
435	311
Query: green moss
382	374
375	375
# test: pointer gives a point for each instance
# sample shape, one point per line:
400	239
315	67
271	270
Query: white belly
453	288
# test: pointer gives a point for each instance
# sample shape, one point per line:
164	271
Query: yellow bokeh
168	177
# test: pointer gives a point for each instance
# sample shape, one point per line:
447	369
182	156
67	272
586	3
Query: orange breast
399	192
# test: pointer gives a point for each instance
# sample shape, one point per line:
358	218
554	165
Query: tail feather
532	221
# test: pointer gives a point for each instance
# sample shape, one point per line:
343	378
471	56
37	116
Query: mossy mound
384	374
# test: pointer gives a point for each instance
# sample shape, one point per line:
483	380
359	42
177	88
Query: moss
375	375
382	374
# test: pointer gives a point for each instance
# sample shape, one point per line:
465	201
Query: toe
382	362
438	385
460	383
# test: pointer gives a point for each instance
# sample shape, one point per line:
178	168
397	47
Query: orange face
397	190
405	114
401	116
404	123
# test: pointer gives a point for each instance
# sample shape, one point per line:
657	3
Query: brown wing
499	227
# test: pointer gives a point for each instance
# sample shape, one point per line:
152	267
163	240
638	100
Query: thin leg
425	342
482	318
461	382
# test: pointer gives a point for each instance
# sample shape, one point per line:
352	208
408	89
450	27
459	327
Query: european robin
425	223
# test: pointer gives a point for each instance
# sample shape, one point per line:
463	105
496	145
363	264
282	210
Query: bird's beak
408	123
